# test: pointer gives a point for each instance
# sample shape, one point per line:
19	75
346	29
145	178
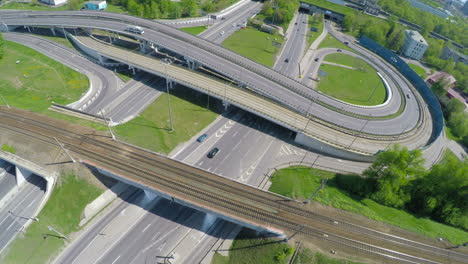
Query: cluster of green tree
279	12
159	8
428	21
386	32
398	179
458	70
2	44
454	113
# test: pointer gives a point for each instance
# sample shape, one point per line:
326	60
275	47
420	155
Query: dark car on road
346	42
316	59
339	50
202	138
212	153
286	60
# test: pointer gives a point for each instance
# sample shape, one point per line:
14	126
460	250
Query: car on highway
407	96
339	50
346	42
202	138
212	153
295	23
316	59
221	33
286	60
135	29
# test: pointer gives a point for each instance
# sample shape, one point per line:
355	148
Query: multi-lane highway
20	208
220	31
295	46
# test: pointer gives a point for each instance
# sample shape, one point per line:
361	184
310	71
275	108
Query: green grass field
420	71
150	129
352	86
331	42
194	30
36	80
62	212
300	182
254	45
311	36
63	41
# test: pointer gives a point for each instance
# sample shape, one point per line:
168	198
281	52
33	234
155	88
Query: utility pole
6	103
108	124
300	73
324	182
169	99
64	149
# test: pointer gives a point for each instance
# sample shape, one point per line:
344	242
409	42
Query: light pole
108	124
322	185
22	217
6	103
266	43
169	98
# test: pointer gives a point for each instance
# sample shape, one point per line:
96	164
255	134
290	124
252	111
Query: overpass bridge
307	125
228	199
391	123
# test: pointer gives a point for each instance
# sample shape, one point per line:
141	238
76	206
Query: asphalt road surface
294	48
20	208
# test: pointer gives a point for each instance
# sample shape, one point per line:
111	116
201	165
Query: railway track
241	201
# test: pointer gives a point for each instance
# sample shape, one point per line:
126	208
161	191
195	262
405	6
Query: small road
293	50
20	208
220	31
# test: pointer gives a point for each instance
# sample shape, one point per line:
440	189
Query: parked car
212	153
202	138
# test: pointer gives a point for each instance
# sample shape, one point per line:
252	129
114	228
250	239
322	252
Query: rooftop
94	2
416	36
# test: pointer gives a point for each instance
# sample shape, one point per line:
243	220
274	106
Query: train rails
224	196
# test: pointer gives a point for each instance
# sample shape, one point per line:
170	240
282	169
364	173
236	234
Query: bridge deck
243	98
220	195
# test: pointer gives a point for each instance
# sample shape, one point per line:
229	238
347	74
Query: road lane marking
145	228
116	259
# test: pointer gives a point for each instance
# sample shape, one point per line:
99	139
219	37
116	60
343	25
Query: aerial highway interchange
189	218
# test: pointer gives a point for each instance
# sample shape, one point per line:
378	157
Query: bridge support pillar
144	46
53	31
28	28
101	59
226	104
149	195
133	69
21	175
192	64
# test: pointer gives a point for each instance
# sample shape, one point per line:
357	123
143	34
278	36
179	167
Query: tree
438	88
189	8
2	46
392	172
443	192
74	4
458	122
155	11
454	106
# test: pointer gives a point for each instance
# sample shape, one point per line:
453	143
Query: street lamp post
169	98
22	217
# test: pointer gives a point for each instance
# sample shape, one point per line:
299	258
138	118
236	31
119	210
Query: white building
415	45
54	2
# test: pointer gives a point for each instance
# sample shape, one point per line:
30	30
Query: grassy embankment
37	80
194	30
249	249
311	36
420	71
62	212
360	85
300	182
151	129
254	45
